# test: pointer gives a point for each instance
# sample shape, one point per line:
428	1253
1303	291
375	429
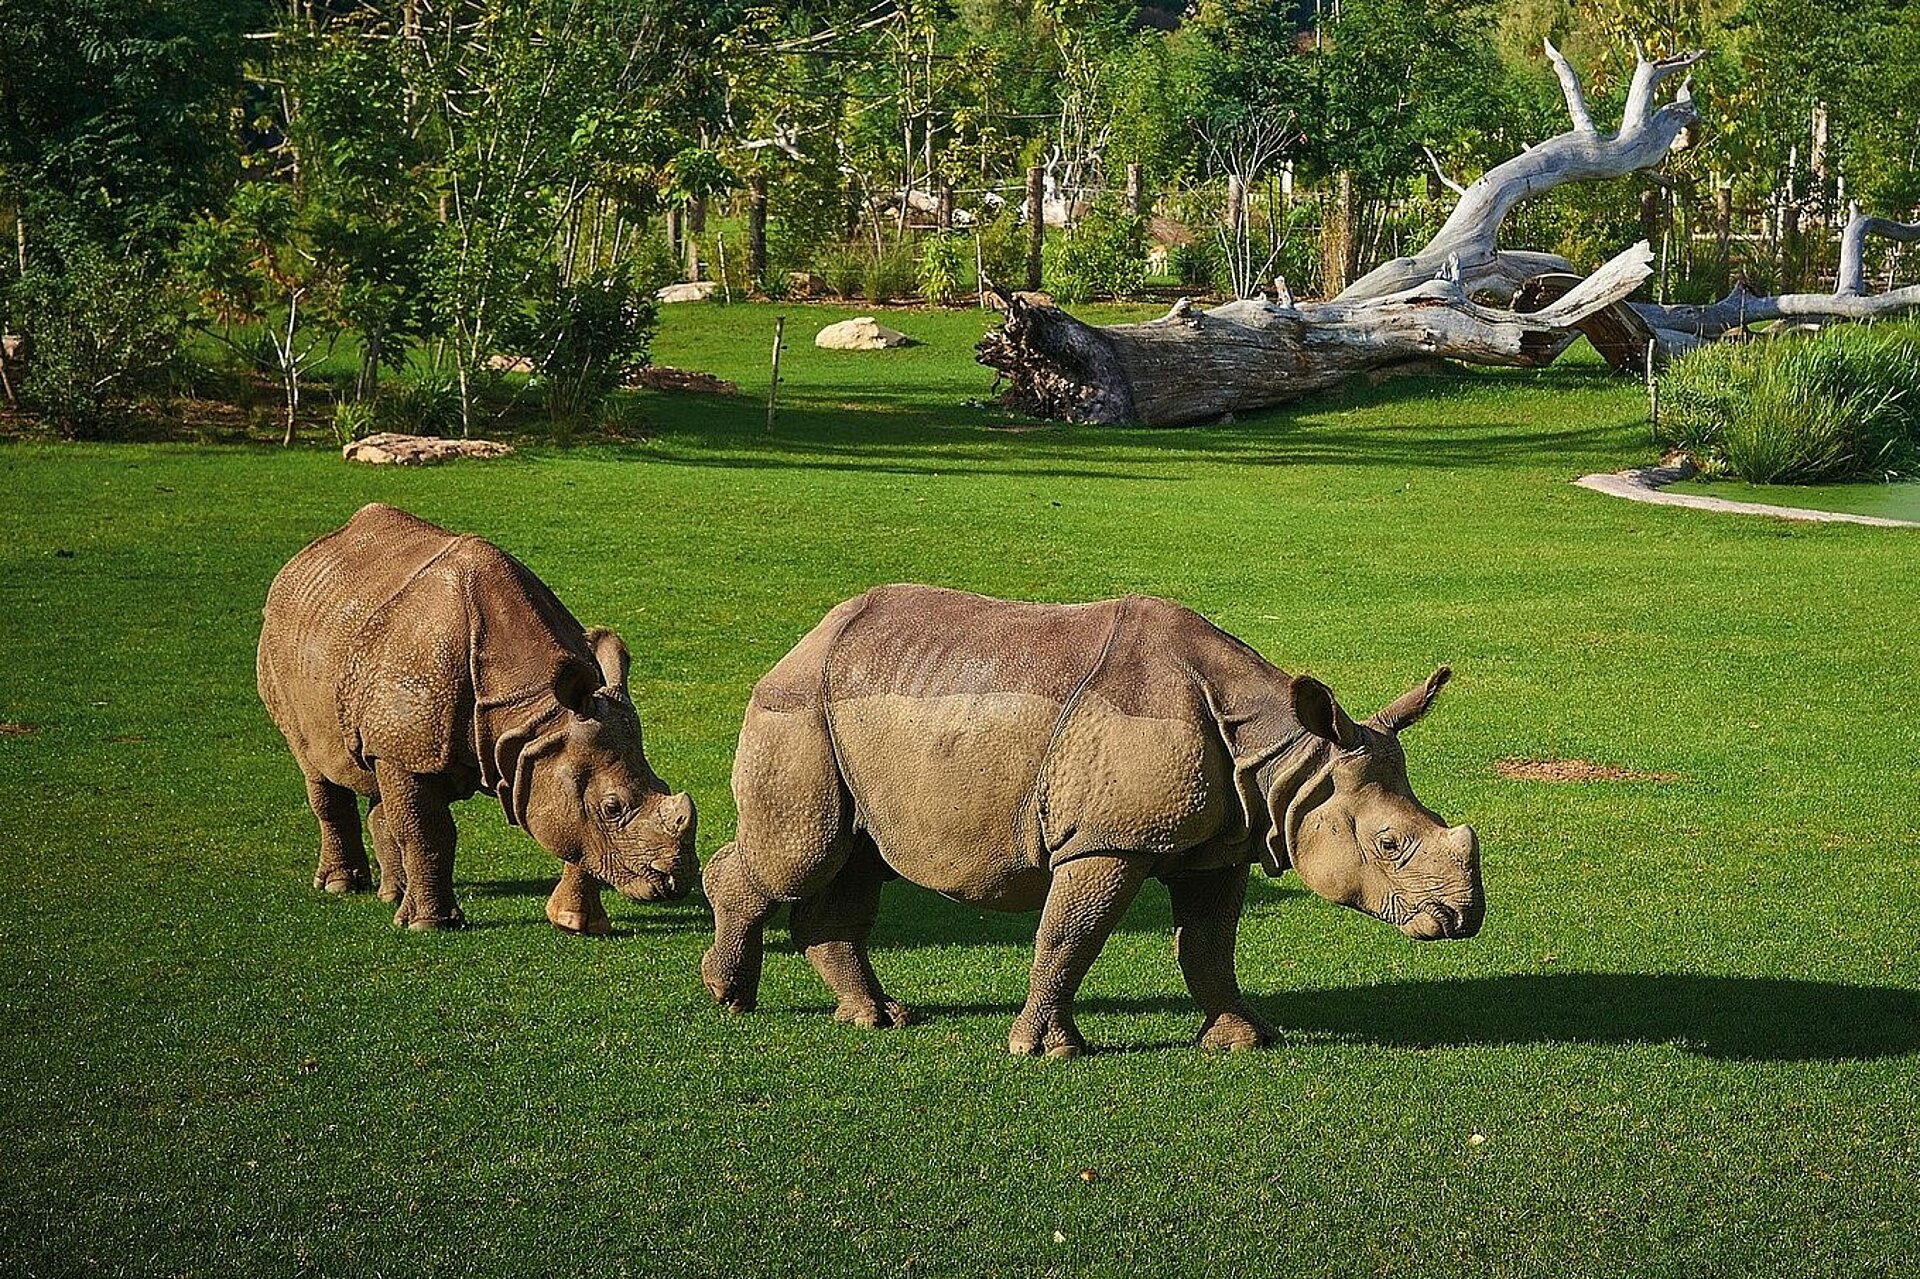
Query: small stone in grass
1478	1139
1089	1176
1058	1237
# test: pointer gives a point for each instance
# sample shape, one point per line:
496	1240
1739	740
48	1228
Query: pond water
1890	501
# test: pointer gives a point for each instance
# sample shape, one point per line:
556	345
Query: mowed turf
1684	1045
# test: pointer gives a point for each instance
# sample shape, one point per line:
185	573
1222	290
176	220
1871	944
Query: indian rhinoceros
1017	756
417	667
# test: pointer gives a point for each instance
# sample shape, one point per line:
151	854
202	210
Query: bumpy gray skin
1017	756
415	667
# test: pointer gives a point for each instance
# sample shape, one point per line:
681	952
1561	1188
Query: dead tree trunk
1194	366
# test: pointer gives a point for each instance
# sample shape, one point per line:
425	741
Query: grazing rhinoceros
417	667
1042	755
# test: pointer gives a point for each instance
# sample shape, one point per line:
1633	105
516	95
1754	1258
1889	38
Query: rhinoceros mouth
1438	921
650	883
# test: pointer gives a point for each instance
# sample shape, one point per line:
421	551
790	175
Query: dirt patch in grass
1574	770
661	377
10	729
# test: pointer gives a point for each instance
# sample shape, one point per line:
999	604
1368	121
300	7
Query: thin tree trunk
1036	223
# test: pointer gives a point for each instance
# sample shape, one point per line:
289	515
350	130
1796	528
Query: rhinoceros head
587	794
1358	835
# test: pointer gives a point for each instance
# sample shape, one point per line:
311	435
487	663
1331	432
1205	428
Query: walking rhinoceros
416	667
1017	756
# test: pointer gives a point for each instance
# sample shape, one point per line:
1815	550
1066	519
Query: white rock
390	449
861	333
697	291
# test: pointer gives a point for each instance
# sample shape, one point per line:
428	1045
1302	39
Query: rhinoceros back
379	638
984	741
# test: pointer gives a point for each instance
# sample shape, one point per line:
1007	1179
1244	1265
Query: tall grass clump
1842	405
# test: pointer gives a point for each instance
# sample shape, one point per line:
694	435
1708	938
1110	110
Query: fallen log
1195	366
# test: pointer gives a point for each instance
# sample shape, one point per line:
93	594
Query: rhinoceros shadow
1733	1017
1727	1017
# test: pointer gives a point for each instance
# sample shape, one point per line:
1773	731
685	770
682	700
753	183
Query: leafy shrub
943	265
419	402
1196	266
584	339
101	328
352	420
890	274
1104	255
1844	404
1003	248
653	265
843	267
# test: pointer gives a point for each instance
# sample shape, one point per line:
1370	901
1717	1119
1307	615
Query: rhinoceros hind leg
832	926
575	905
420	823
1206	919
393	874
731	967
1086	899
343	858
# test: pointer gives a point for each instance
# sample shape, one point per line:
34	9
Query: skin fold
415	668
1055	757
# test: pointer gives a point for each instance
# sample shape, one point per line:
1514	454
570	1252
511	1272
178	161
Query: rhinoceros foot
732	996
890	1015
414	919
1236	1031
343	879
580	923
1052	1035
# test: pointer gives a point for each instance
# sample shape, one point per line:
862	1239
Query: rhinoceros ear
1318	713
611	652
1407	710
574	685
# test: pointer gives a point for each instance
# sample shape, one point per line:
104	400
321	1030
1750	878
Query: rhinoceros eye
612	808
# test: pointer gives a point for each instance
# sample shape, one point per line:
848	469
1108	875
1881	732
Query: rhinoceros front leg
420	822
731	967
393	873
1086	899
343	857
832	927
575	905
1206	920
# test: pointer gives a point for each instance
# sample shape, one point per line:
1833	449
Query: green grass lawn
1684	1045
1899	501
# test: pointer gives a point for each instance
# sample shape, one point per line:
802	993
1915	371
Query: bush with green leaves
1841	405
584	339
843	267
421	401
100	328
943	266
890	274
1002	241
1103	255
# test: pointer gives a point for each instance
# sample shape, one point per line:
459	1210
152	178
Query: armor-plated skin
416	667
1021	756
